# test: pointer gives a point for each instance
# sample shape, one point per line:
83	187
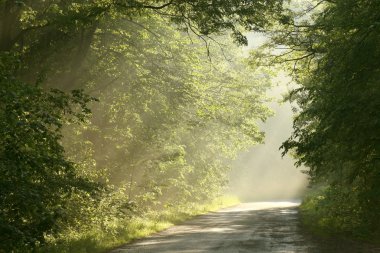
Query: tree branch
145	6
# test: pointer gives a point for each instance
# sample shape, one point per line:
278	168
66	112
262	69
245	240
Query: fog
262	174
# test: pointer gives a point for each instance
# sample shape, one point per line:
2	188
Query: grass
98	241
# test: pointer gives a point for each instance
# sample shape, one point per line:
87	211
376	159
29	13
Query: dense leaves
335	57
175	105
35	175
61	18
183	118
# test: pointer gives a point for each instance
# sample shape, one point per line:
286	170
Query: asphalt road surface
249	227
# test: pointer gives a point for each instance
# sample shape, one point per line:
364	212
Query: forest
117	116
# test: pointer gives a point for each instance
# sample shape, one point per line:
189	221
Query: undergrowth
97	240
335	211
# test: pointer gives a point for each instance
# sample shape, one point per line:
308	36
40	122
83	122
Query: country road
249	227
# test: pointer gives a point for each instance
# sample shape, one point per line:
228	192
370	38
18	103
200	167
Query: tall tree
36	177
156	94
334	55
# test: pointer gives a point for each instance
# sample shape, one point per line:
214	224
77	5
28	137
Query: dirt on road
249	227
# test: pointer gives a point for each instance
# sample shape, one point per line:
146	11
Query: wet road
249	227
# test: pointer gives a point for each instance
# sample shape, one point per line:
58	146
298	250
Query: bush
36	178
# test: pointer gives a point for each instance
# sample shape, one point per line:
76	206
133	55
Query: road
249	227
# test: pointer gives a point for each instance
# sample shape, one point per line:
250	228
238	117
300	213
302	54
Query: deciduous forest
120	116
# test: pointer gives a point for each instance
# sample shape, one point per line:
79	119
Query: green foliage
126	230
37	179
334	55
175	106
184	118
162	96
62	19
320	213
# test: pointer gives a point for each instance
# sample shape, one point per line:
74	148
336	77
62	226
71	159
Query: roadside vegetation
332	50
127	229
118	116
121	117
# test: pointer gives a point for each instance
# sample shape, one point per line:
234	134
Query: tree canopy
334	55
114	109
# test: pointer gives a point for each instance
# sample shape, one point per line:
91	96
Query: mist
261	173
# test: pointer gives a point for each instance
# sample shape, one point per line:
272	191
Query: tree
143	60
36	176
45	31
167	113
334	56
